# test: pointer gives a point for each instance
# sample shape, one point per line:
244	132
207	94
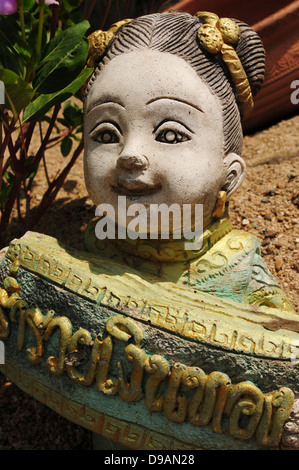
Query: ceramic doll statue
163	117
144	341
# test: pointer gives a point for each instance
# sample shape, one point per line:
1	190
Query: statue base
148	367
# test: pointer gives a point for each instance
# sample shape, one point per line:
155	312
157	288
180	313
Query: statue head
164	106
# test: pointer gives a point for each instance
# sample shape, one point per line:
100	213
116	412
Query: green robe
228	265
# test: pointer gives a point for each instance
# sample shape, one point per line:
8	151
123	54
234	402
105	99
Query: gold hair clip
217	35
99	40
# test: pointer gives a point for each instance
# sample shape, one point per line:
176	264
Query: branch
54	188
44	144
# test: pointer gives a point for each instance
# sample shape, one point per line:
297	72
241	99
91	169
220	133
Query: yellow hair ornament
99	40
217	35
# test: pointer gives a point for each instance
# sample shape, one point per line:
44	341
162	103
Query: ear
235	172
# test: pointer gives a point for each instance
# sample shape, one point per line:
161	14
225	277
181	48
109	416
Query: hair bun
251	53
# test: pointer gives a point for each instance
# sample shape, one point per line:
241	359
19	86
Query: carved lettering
158	369
187	392
189	323
244	398
174	404
56	365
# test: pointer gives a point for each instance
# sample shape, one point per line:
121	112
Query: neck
157	251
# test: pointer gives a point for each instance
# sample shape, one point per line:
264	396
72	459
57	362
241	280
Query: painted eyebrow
106	122
100	103
172	120
174	99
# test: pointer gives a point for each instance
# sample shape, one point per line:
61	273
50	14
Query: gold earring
220	204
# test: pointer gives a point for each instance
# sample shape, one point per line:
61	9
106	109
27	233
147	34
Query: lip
135	187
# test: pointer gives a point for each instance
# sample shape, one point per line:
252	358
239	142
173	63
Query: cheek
194	175
95	174
97	164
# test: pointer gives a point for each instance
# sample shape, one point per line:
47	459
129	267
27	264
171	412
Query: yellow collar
155	251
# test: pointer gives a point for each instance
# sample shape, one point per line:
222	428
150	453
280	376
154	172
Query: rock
295	200
278	263
270	233
295	266
270	193
245	222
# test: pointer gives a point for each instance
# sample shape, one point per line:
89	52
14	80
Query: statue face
153	133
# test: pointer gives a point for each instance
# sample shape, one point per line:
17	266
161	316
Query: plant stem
55	11
44	160
46	138
19	208
40	27
6	141
21	12
9	129
24	148
10	202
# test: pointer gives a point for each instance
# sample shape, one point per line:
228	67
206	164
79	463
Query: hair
176	33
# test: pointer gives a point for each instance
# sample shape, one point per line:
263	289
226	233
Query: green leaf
39	107
73	115
18	92
70	4
65	57
4	193
28	4
66	146
9	176
34	169
32	38
10	42
7	59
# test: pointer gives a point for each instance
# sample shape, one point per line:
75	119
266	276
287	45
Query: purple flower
7	7
49	2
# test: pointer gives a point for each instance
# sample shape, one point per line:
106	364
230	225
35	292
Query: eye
107	137
172	132
106	133
171	137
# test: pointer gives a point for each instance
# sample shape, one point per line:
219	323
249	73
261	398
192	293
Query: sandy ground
267	205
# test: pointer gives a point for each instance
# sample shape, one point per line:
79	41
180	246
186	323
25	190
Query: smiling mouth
135	188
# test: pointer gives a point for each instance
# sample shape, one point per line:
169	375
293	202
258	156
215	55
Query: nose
132	162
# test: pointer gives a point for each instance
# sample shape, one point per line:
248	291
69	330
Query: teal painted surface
265	373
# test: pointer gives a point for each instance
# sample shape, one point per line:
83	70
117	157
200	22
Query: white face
153	133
